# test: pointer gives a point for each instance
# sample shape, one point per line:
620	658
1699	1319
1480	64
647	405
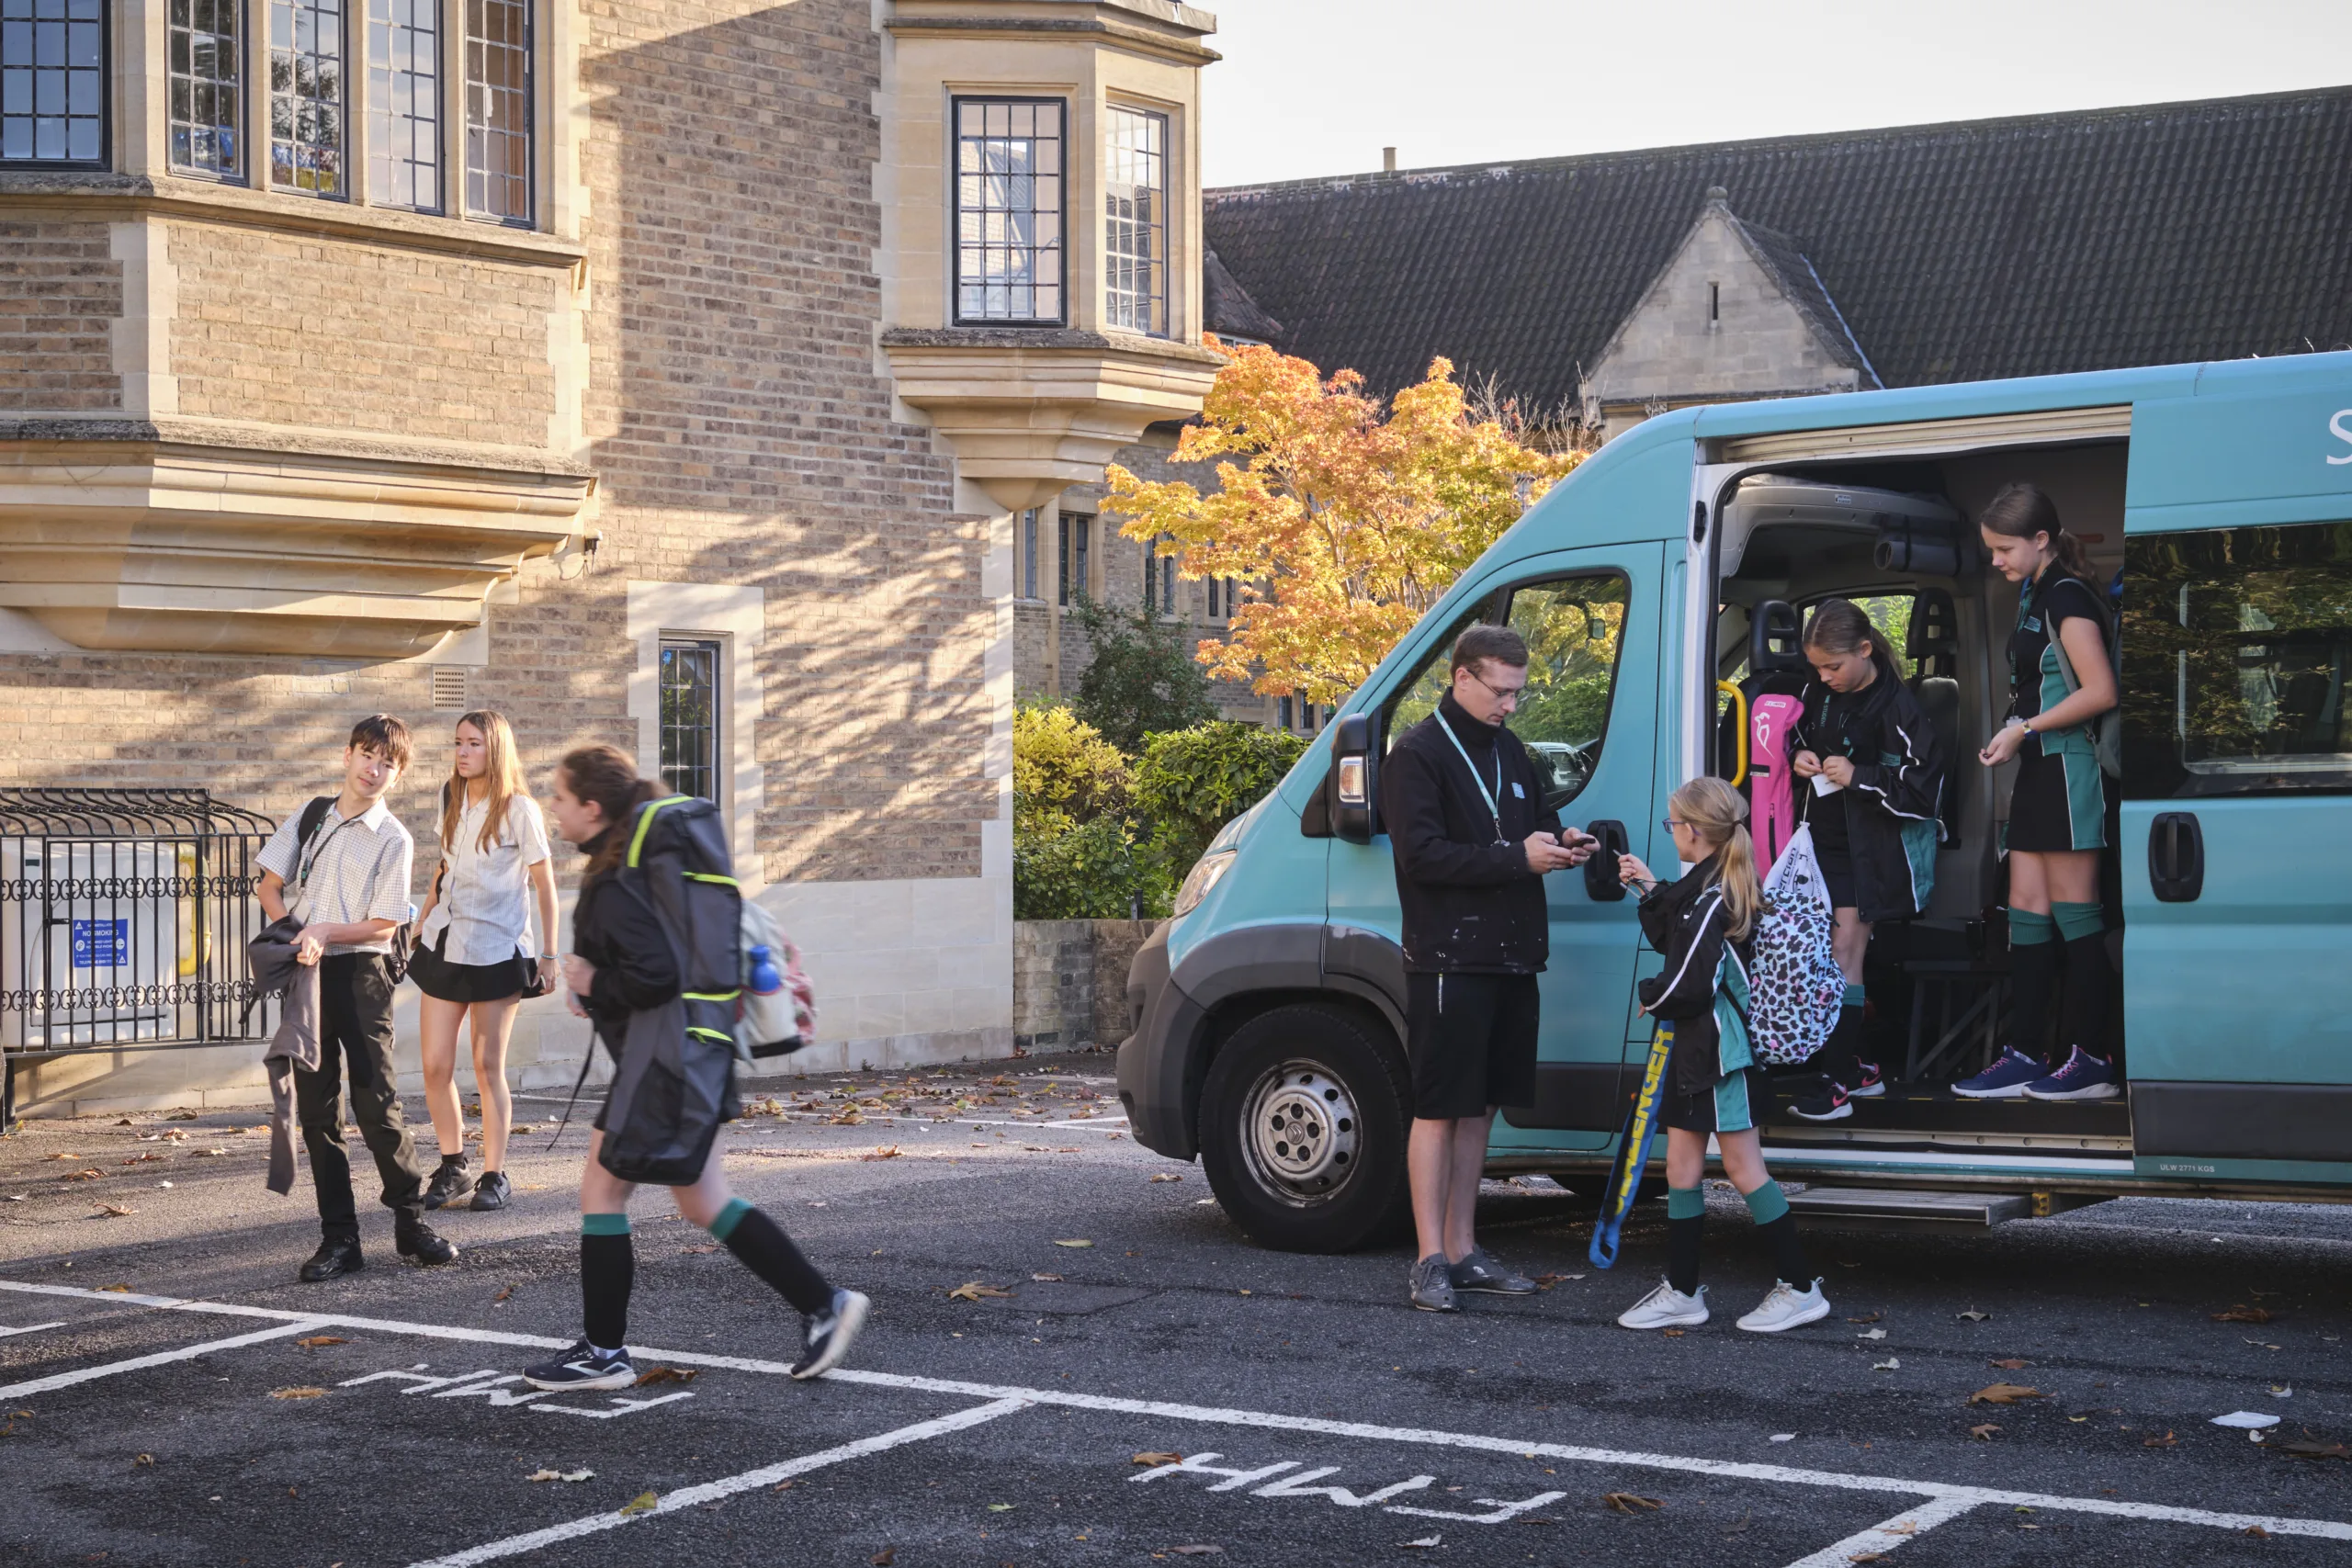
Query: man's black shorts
1471	1039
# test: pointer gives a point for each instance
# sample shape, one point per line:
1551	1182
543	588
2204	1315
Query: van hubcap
1301	1131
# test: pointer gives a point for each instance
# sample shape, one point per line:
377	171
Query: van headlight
1205	875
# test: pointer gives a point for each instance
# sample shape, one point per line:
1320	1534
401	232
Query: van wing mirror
1354	779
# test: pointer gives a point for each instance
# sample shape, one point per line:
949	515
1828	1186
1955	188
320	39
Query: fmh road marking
1946	1499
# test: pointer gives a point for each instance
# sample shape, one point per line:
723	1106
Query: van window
2236	646
1574	627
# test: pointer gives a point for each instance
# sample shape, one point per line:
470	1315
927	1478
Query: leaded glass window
206	87
1008	210
404	104
498	110
689	707
53	80
306	100
1029	554
1134	228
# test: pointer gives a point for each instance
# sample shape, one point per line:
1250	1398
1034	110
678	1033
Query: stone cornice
306	440
111	197
1167	31
1048	338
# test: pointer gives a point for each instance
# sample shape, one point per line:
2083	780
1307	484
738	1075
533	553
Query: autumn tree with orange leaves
1343	522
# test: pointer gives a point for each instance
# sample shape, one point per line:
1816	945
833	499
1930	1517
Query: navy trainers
583	1367
828	1336
2084	1076
2004	1079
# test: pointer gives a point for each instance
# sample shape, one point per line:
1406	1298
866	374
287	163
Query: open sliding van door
2236	842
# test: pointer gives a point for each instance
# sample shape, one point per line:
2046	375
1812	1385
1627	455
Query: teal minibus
1656	585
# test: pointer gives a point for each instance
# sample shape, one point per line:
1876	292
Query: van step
1884	1208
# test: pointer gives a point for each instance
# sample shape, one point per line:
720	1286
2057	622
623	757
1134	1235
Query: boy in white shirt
349	888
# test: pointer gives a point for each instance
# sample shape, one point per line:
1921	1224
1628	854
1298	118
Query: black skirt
2060	803
467	982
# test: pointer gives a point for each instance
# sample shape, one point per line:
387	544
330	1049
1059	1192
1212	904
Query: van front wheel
1303	1130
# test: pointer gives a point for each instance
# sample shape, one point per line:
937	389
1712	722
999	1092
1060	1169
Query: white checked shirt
358	870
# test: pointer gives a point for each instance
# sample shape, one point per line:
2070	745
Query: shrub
1190	782
1142	678
1061	763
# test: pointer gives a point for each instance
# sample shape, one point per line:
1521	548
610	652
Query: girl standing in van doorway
2058	811
1876	768
1702	925
472	959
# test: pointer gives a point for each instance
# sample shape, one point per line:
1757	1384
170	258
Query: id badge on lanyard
1489	796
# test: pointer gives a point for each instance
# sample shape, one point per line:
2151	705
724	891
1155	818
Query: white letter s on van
2340	426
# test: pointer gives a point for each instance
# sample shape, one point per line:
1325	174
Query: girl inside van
1876	773
622	962
2058	810
474	959
1703	924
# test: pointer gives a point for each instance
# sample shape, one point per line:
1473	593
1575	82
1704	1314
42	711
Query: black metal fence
124	915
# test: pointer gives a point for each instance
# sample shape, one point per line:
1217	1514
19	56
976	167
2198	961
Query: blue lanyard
1487	795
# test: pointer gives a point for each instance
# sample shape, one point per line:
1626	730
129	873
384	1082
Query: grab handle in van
2175	857
1601	883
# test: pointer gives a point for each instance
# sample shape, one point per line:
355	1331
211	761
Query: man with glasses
1464	806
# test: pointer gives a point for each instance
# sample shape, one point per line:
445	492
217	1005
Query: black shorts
439	978
1732	1105
2060	803
1471	1039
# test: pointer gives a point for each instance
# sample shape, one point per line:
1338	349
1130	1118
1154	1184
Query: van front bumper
1156	1060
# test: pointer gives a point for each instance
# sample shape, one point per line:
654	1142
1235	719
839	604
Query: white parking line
31	1328
1887	1535
712	1491
1737	1470
161	1358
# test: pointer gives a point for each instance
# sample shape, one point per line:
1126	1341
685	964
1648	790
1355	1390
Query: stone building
669	373
1602	288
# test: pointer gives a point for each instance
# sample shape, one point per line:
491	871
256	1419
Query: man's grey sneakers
830	1333
1667	1307
1785	1306
1477	1272
583	1367
1432	1283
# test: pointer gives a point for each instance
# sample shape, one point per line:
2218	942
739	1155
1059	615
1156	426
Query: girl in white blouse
474	958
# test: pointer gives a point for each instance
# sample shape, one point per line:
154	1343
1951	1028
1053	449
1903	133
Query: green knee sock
2075	921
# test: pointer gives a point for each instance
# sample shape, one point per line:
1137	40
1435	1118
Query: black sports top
2042	605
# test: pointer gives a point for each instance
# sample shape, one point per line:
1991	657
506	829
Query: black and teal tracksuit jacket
1702	988
1893	807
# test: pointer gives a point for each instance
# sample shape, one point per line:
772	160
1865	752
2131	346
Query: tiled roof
2086	241
1229	310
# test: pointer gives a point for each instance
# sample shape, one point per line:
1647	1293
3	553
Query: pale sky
1311	87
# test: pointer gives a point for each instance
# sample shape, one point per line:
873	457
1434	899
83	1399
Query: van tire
1303	1130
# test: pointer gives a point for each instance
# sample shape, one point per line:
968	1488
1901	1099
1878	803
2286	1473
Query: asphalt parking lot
1166	1392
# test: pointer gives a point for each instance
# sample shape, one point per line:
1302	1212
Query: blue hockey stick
1632	1152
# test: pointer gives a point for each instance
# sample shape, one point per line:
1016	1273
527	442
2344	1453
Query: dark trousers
356	1026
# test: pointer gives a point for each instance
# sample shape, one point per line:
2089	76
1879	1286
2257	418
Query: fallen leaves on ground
560	1475
312	1341
999	1507
2256	1532
1073	1244
1047	1278
62	1154
1154	1458
705	1247
664	1375
181	1116
116	1211
1892	1364
643	1502
2004	1393
2244	1314
118	1290
209	1152
2166	1441
1984	1433
1628	1503
1545	1282
142	1159
2011	1363
2309	1447
82	1176
1973	1316
849	1118
972	1290
147	1460
884	1558
887	1151
505	1293
298	1392
1871	1317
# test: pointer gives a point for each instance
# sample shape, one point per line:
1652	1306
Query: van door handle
2175	857
1601	883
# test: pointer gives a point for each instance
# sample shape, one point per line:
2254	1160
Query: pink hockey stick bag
1772	807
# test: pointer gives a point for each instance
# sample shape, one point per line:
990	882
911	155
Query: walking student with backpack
1869	778
474	960
340	870
1703	924
2062	697
655	966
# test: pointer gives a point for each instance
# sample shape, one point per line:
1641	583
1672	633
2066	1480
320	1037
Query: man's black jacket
1471	905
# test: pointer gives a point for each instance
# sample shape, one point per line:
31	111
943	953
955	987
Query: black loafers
336	1255
420	1243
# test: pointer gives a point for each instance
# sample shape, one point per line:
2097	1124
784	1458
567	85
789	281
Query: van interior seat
1934	641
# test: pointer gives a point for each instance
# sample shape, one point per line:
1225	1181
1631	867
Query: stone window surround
140	130
735	618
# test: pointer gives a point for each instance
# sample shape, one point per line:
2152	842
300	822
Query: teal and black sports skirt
2060	803
1731	1105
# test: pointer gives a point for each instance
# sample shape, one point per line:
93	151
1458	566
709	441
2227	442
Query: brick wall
1070	981
291	329
60	288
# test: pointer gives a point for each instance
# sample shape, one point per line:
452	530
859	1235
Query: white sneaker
1667	1307
1785	1306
